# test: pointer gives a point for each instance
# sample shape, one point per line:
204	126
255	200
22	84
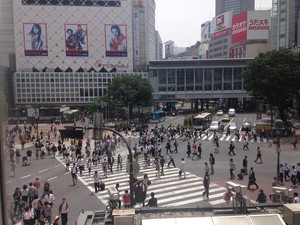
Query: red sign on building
239	28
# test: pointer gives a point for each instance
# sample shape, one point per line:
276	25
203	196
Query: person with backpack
31	192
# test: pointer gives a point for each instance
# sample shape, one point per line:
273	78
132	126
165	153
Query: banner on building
116	40
221	24
206	32
35	39
136	38
76	38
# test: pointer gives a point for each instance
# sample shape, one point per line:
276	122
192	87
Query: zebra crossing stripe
196	197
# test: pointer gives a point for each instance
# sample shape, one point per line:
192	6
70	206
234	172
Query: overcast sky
180	20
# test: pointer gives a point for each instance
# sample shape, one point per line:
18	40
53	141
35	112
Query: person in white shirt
96	181
294	176
182	168
49	197
296	197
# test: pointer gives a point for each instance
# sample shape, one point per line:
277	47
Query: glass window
208	79
180	80
171	80
218	79
198	79
162	80
189	79
237	78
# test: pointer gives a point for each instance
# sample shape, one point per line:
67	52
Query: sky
180	20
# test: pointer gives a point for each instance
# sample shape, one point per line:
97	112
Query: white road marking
7	182
25	176
41	171
52	178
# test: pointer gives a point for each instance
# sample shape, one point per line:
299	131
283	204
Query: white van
231	112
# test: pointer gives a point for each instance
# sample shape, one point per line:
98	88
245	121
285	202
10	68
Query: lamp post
36	115
278	128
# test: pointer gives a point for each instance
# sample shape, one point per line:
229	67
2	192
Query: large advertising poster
239	28
76	38
206	32
136	37
221	24
259	24
116	40
35	39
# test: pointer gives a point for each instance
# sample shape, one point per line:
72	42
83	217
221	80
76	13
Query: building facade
174	80
236	6
285	15
158	46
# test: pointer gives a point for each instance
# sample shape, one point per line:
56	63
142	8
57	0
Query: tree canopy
274	76
129	91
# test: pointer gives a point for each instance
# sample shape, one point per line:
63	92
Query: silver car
214	126
232	126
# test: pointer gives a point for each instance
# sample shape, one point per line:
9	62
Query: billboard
221	24
259	24
76	37
136	37
206	32
116	40
35	39
251	25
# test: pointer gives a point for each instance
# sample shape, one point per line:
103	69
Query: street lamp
278	129
36	115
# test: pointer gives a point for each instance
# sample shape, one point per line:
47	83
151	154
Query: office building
158	46
235	6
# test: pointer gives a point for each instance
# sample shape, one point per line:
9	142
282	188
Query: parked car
232	126
226	118
220	112
214	126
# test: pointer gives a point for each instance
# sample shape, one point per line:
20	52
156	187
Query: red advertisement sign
239	28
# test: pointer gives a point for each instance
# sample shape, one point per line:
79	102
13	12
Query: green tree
274	76
131	90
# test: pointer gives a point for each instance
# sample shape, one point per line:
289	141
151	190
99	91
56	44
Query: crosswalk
222	137
169	189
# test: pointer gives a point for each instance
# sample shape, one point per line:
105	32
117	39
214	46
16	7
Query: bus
158	116
202	121
69	116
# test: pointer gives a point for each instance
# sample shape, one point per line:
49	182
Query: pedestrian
37	185
246	143
168	147
80	165
110	160
295	141
17	200
171	160
126	199
182	168
296	197
162	164
232	168
49	197
228	195
261	198
28	216
206	168
189	149
63	210
245	165
89	165
12	168
294	176
212	163
105	168
119	162
175	146
231	148
96	181
31	192
258	155
199	150
25	193
252	179
47	211
152	201
157	167
74	172
286	169
228	131
29	153
18	155
281	172
206	182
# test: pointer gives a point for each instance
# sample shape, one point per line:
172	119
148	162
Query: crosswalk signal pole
98	126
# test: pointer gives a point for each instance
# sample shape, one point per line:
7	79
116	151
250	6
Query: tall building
71	50
158	46
236	6
286	24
